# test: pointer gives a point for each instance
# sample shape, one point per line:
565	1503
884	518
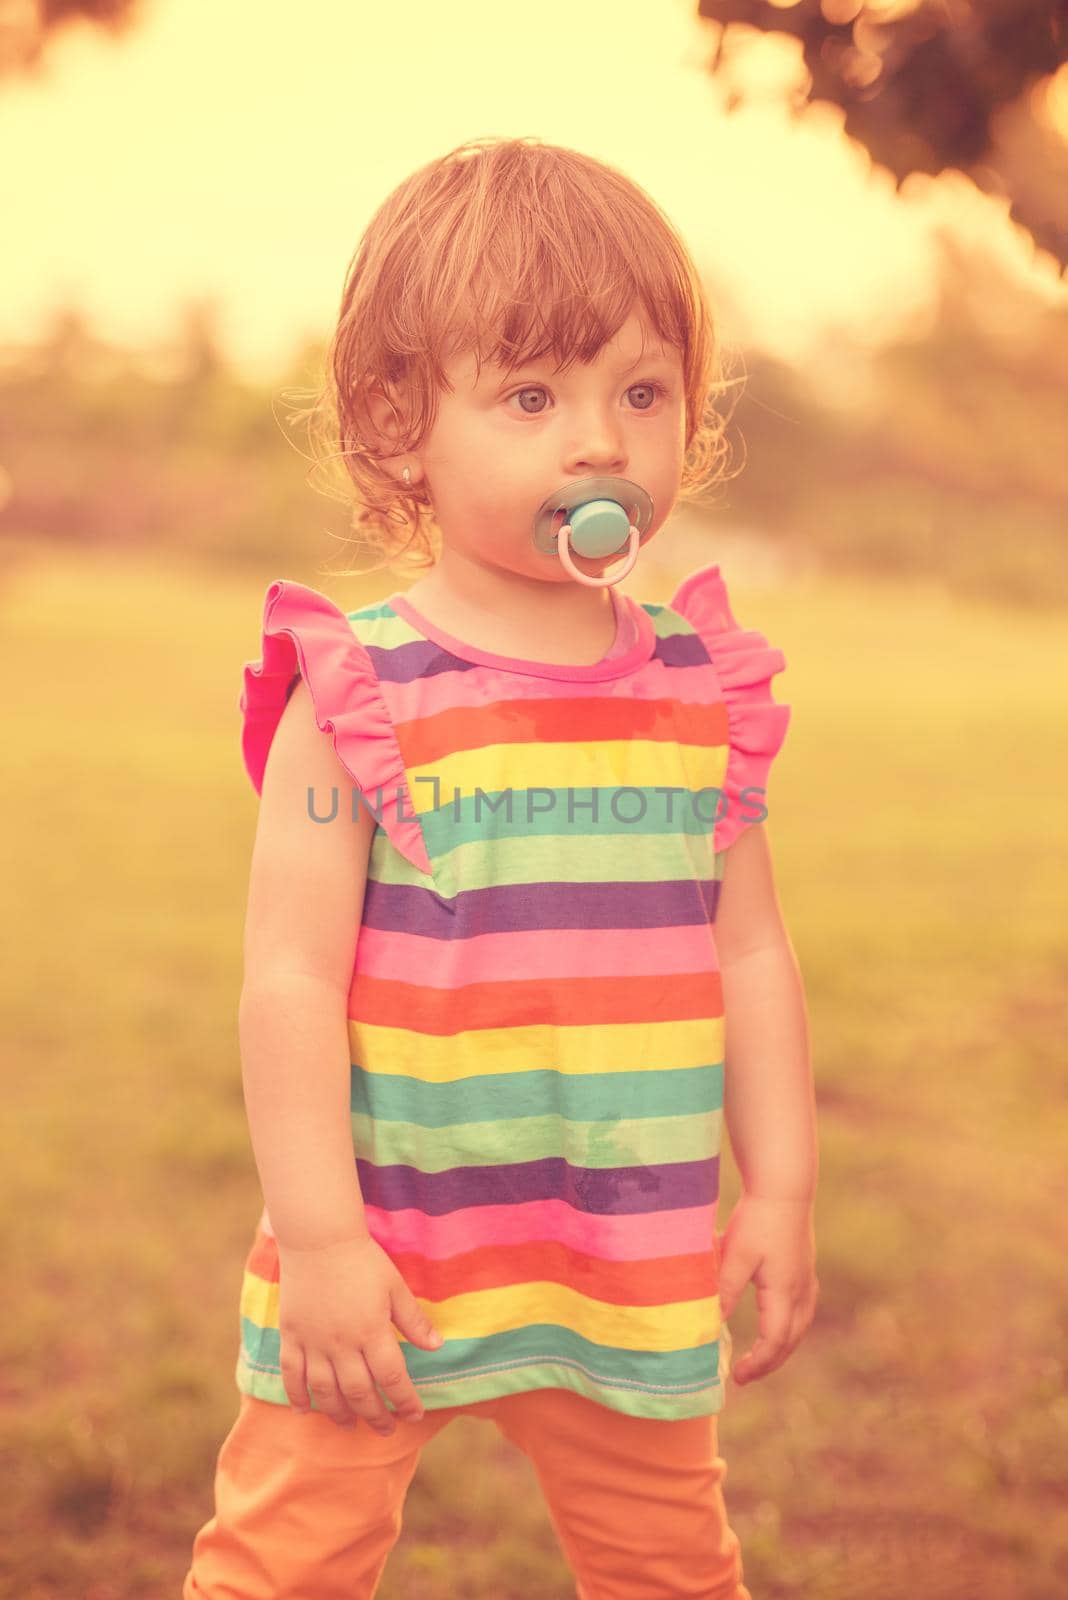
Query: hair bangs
522	291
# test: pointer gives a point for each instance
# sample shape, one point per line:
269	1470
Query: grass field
917	1441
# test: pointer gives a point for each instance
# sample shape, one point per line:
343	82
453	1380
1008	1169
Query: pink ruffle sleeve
305	634
744	663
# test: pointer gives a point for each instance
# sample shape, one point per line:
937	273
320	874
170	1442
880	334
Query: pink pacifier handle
630	556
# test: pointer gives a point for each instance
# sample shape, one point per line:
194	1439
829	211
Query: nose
599	452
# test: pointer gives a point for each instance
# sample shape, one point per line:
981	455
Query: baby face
502	443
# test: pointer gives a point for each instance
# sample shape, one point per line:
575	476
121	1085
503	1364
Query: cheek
678	449
479	449
671	449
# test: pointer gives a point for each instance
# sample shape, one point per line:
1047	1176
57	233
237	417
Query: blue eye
658	389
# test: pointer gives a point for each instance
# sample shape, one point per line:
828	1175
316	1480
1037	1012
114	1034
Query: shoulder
741	656
307	639
305	777
703	602
744	662
702	597
299	740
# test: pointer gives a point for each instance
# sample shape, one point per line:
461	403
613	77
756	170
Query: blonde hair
511	248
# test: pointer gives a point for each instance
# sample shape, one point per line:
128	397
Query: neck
512	615
553	607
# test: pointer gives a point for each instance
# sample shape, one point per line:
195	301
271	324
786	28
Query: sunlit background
182	185
215	152
180	200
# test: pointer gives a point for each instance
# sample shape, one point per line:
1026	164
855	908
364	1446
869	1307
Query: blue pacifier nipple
603	516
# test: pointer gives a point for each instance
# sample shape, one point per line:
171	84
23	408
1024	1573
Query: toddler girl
511	914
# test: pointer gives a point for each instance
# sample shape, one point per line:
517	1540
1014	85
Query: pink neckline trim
610	665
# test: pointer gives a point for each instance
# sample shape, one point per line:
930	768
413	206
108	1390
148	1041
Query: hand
336	1304
772	1242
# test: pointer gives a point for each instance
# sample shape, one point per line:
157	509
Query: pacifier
603	517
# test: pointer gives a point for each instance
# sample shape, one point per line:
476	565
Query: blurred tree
199	345
69	348
929	84
27	25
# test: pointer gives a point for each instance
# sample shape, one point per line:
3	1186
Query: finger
772	1345
728	1300
803	1317
359	1395
295	1378
763	1358
732	1276
731	1285
322	1390
323	1385
389	1371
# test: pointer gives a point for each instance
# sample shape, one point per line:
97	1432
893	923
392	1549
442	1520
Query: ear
380	408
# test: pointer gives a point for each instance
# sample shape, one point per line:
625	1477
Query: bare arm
339	1292
769	1099
769	1106
305	902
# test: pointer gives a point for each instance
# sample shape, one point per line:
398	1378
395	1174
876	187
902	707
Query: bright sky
233	149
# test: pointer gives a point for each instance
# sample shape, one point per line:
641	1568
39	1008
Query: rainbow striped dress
535	1014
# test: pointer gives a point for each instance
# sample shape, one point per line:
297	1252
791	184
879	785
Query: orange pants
307	1511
